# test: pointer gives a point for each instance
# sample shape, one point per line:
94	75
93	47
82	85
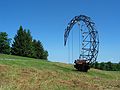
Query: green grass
21	73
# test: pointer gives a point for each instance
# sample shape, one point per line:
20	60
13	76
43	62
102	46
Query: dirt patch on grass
4	68
4	78
31	79
77	84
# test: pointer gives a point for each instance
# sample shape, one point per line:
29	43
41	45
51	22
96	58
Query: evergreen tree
4	43
18	42
22	44
34	48
39	51
28	44
45	55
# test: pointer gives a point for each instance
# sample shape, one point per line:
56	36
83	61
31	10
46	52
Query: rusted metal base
81	65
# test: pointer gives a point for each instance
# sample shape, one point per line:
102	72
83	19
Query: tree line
23	45
108	66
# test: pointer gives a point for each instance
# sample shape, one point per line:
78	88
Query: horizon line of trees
108	66
23	45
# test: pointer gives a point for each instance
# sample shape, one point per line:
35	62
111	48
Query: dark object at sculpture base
82	65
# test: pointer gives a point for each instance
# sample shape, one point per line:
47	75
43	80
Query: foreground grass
20	73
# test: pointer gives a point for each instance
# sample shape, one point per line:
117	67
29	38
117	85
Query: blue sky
47	20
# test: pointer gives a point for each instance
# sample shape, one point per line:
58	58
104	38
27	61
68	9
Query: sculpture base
81	65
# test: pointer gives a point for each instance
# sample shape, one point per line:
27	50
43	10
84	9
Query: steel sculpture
90	41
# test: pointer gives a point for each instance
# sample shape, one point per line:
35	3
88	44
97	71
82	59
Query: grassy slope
20	73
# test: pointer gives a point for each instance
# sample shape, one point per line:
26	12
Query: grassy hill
20	73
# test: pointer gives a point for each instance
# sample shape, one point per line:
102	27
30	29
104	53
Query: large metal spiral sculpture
90	39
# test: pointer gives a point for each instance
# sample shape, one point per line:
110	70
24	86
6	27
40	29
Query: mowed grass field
20	73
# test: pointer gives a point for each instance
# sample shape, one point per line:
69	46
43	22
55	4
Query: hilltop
21	73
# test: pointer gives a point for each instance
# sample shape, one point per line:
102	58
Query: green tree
17	46
36	53
22	44
102	66
45	55
118	66
39	51
109	66
96	65
4	43
28	48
